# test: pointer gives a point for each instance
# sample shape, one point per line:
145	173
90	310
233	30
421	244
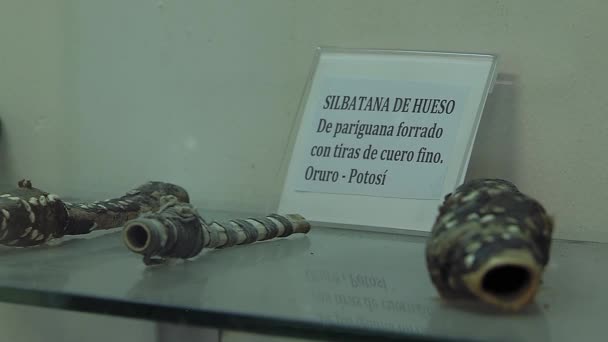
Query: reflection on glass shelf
329	280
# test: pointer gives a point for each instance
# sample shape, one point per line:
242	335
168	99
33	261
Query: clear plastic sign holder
381	136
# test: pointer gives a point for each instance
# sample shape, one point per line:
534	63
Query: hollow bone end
143	235
508	281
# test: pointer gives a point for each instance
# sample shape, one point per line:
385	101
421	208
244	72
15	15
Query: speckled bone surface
476	224
30	216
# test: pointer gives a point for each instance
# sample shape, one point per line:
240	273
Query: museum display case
308	170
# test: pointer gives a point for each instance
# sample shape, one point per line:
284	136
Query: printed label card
384	135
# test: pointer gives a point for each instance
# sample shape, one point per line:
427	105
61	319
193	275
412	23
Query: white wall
35	136
204	93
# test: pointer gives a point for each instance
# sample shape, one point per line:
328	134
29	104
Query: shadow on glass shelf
469	319
180	278
67	245
49	267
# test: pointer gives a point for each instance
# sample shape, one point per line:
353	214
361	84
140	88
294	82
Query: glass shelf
329	284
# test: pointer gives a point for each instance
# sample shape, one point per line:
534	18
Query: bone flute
177	231
30	216
491	243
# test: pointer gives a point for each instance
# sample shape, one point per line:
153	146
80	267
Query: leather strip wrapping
31	216
178	231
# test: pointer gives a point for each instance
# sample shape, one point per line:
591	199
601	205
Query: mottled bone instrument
177	231
490	242
30	216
